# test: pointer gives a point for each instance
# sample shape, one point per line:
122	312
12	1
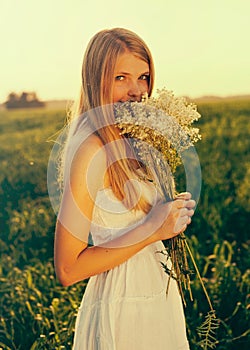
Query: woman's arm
74	260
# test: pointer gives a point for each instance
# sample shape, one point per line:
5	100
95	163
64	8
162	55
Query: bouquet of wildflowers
160	130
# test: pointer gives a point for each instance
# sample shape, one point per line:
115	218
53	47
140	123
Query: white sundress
126	308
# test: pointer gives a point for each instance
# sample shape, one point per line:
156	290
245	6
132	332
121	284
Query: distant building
25	100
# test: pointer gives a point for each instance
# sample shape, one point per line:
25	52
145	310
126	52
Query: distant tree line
23	100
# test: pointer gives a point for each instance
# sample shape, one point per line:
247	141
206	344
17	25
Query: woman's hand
167	220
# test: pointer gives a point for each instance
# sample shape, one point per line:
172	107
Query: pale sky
199	47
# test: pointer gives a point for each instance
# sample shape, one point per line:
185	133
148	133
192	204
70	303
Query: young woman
106	193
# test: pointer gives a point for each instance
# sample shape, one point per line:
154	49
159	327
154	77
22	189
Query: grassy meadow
37	313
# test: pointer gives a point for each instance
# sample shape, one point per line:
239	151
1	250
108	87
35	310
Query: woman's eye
119	77
144	77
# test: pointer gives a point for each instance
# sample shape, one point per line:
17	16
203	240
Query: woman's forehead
128	62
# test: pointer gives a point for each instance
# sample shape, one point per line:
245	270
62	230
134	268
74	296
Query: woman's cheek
144	86
118	94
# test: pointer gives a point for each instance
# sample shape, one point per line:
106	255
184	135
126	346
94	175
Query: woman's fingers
184	199
184	195
180	227
190	204
185	211
182	223
180	203
171	218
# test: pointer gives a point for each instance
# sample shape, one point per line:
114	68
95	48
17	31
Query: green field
37	313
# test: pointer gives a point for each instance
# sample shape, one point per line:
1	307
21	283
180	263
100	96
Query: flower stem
199	275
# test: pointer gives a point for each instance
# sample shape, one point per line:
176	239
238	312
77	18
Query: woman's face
131	78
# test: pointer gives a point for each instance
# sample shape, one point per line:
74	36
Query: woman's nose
134	91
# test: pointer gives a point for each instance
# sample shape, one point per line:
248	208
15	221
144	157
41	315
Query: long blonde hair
97	90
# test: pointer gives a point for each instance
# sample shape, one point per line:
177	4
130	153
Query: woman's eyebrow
122	73
127	73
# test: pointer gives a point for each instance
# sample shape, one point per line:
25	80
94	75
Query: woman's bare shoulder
93	141
90	147
90	159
